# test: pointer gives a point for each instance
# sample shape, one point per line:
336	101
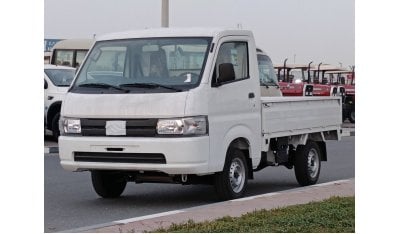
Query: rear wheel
352	116
231	183
307	164
108	184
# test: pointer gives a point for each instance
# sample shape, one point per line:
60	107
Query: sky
300	30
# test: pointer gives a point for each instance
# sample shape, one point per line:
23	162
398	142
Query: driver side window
235	53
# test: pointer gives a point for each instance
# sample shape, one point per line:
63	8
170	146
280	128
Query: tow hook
184	178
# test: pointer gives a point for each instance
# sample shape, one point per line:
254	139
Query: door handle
251	95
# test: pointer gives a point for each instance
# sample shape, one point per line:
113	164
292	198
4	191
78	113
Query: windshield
298	75
266	71
167	64
60	77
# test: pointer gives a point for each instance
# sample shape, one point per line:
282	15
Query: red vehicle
323	85
332	81
346	79
322	80
293	81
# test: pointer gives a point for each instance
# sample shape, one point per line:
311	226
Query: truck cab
293	81
70	52
268	80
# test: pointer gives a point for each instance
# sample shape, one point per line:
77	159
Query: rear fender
303	138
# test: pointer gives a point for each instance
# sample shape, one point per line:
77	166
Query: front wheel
231	183
54	126
108	184
307	165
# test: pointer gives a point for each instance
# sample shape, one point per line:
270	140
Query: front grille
134	127
155	158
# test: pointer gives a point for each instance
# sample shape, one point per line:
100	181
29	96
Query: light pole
165	13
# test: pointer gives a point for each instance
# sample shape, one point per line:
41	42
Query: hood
147	105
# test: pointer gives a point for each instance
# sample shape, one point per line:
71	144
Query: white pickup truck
184	106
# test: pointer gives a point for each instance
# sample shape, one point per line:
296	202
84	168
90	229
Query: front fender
235	132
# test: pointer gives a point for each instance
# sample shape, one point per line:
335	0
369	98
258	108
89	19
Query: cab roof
292	66
174	32
338	72
51	66
79	44
326	67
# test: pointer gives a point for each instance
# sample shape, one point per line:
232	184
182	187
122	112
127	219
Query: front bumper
189	155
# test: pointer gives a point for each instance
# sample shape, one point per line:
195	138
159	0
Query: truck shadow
178	196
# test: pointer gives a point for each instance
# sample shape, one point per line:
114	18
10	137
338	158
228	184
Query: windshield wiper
104	86
150	86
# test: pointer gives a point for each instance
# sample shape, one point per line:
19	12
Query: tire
352	116
307	163
231	183
55	127
108	184
344	117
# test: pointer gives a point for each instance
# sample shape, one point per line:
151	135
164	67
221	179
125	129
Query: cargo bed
286	116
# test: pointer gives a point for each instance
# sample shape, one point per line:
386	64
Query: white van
70	52
56	83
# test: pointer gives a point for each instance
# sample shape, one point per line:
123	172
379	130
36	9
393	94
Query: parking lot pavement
50	145
348	129
233	208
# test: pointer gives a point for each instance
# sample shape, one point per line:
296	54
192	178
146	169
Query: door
234	105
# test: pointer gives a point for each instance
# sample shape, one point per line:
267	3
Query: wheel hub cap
313	163
236	175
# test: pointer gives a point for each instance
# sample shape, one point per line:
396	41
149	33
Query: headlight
70	126
183	126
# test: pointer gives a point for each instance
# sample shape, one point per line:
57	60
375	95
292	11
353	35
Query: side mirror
45	84
226	72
